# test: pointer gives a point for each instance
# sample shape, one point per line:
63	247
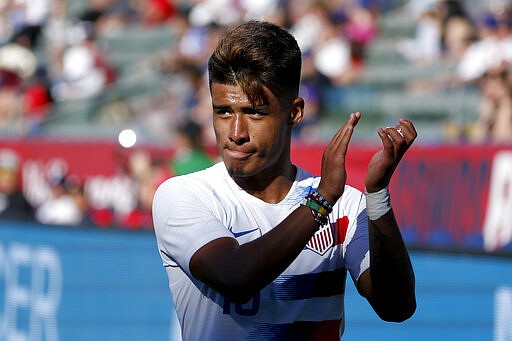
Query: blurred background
102	100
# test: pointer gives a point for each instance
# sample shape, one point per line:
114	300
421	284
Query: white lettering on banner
498	219
32	279
503	314
34	182
34	174
118	192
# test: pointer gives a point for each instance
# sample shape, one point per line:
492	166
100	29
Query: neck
271	189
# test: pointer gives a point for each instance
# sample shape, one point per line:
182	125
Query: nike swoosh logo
240	234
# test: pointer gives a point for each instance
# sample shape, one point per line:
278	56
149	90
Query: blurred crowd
476	37
50	55
48	193
52	52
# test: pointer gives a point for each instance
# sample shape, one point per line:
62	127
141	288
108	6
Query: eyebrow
249	107
221	106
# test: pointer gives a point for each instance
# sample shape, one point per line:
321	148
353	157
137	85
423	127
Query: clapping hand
396	141
334	174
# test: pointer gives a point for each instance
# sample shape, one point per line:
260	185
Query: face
253	140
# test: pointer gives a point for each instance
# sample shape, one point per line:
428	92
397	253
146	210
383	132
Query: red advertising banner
454	196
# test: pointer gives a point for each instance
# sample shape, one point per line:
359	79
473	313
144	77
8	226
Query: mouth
237	154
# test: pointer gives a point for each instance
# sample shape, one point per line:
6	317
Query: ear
296	111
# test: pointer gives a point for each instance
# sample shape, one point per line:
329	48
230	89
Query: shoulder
188	182
183	194
193	188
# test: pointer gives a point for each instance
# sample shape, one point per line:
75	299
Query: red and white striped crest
322	240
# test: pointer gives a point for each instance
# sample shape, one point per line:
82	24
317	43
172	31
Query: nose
238	132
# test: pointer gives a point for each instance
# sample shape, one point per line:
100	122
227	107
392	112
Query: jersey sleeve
184	221
357	249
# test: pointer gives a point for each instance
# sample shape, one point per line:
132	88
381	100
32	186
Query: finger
387	141
357	116
396	134
408	130
351	124
344	134
346	139
399	131
398	142
407	134
352	120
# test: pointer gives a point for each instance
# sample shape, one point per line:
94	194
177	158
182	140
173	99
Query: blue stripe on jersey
299	330
300	287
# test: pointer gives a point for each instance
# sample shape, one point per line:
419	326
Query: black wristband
321	201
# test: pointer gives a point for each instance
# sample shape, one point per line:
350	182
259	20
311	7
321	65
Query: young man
257	248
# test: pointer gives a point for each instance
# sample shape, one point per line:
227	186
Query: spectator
219	12
360	28
17	64
86	71
37	101
155	12
495	121
190	155
28	19
147	174
492	48
13	204
61	208
458	37
456	28
425	46
443	32
336	44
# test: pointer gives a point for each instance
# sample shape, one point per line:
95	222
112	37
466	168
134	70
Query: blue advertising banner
459	297
69	283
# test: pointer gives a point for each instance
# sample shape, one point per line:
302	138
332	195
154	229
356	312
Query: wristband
319	213
378	203
320	200
314	205
320	219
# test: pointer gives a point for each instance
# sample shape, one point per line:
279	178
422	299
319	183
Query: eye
222	112
256	113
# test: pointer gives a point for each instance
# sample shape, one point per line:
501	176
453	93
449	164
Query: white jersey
304	302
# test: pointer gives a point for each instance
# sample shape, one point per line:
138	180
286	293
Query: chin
236	172
237	169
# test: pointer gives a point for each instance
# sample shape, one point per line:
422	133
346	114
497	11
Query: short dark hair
258	54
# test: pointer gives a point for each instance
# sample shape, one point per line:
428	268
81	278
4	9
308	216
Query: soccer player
257	248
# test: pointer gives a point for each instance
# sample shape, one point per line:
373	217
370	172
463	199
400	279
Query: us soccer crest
322	240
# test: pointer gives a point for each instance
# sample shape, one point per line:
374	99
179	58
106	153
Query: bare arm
389	284
239	271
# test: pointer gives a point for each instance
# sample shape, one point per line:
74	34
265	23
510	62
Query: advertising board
69	283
